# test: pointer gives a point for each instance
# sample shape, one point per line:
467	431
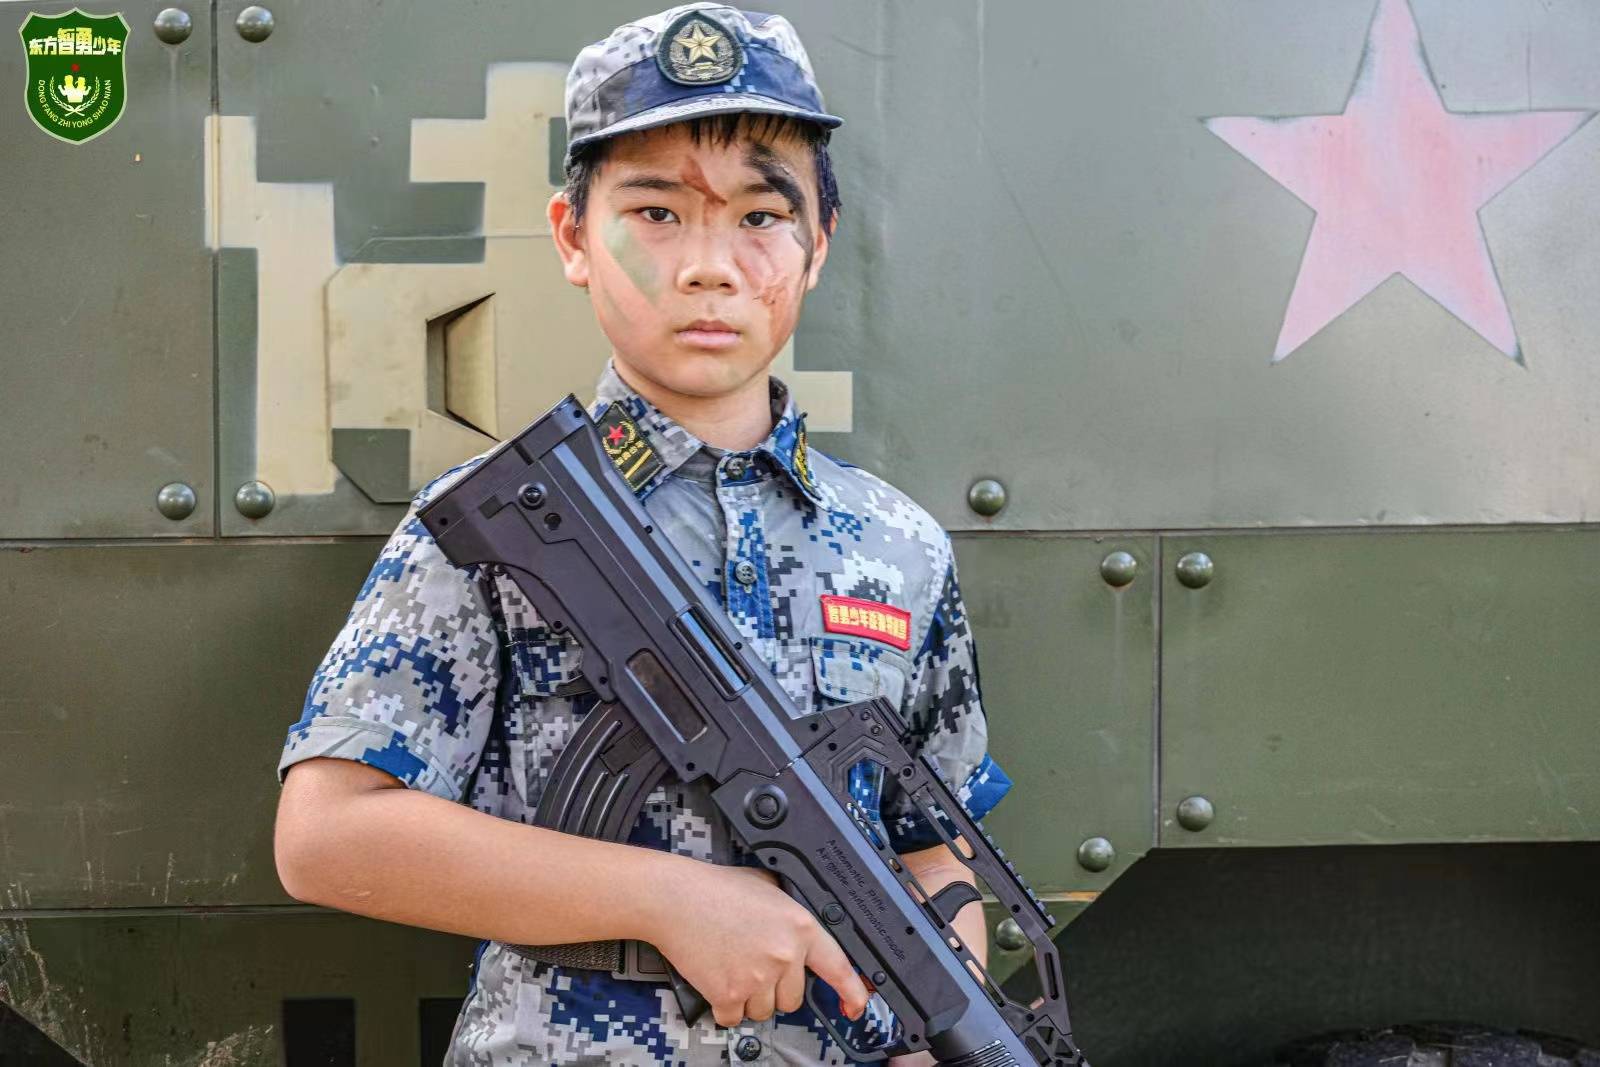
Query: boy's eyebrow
777	183
650	181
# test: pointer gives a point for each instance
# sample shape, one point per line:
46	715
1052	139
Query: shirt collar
786	444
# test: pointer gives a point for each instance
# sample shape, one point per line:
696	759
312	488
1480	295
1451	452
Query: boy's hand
745	944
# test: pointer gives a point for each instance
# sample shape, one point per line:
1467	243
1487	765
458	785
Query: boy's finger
831	965
791	993
760	1006
727	1017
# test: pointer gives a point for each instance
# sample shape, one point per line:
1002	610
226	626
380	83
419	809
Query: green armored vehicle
1265	353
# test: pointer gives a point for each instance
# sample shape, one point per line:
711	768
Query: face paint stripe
766	163
634	261
695	179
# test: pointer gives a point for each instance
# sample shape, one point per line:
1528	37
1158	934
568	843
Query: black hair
721	129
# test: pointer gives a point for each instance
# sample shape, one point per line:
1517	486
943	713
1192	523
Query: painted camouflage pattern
447	678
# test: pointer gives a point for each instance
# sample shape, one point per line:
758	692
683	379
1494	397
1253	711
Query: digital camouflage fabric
446	678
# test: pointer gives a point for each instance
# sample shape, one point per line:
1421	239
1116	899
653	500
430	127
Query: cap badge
698	50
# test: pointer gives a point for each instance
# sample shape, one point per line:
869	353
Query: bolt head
254	500
175	500
255	23
1195	813
1096	854
986	497
1009	936
1195	569
173	25
1119	569
765	805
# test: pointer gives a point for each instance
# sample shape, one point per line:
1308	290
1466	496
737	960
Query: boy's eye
761	220
657	214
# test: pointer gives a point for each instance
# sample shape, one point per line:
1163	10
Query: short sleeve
944	712
409	684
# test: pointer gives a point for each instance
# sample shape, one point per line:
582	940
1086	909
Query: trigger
952	898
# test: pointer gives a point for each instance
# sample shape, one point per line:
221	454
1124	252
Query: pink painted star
1396	182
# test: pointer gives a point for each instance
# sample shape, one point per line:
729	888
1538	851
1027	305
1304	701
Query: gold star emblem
699	43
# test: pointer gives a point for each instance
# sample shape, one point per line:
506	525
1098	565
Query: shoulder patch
627	447
867	618
802	462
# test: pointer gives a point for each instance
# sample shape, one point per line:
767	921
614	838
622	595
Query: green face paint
634	261
610	300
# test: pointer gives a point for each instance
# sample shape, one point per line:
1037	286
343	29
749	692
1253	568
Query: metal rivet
986	496
254	24
1195	813
833	913
175	500
531	496
748	1047
745	573
254	500
1096	854
1119	568
1009	936
880	977
737	467
1195	569
173	25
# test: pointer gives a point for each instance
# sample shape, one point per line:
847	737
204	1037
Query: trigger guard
812	981
871	1055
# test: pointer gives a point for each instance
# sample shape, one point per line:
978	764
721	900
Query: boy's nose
708	265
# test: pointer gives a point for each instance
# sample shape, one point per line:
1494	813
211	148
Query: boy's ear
819	251
569	240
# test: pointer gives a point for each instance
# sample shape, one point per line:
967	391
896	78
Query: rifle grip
690	1002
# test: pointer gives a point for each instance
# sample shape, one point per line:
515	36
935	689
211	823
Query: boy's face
696	255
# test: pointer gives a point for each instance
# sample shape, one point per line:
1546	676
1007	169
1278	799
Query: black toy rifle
679	691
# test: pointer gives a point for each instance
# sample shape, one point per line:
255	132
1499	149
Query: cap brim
709	104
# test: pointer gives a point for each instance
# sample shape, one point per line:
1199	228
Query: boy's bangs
755	125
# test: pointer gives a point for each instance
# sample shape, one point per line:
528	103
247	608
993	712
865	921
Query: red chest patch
867	618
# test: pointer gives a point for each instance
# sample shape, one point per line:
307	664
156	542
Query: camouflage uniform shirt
446	678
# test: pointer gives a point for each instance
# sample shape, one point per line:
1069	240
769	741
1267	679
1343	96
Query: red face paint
695	178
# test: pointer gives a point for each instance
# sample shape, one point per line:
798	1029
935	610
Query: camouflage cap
690	60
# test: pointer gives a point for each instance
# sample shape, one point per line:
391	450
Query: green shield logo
76	87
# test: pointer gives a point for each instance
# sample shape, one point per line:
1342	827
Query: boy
698	212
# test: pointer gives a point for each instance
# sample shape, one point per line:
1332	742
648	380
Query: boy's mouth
708	333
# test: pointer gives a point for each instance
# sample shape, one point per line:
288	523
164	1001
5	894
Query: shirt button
749	1047
745	573
736	467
